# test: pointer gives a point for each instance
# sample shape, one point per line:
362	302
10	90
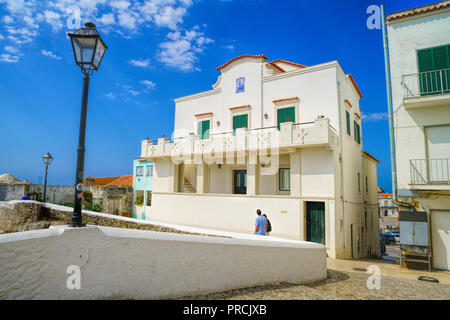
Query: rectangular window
347	116
285	115
203	129
285	179
240	121
149	172
357	132
367	184
139	171
359	182
433	65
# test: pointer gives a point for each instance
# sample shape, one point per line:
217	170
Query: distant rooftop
126	180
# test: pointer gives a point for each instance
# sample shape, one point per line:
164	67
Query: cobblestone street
347	279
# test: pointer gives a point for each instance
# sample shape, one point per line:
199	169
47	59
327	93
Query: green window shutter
434	59
347	115
285	115
240	121
199	129
357	131
205	129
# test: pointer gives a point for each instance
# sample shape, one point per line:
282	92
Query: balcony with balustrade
430	173
431	88
290	136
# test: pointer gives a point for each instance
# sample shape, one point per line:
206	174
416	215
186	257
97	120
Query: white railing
430	171
289	135
426	83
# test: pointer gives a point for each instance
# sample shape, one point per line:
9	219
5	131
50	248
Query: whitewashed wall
405	38
134	264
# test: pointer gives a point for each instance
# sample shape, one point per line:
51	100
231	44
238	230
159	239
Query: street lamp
88	49
47	161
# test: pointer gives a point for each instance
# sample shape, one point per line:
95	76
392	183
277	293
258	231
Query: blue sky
160	50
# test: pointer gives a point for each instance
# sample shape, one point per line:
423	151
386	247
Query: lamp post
88	49
47	161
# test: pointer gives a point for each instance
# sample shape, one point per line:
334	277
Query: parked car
388	238
396	234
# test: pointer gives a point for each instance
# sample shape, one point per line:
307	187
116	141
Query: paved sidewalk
347	279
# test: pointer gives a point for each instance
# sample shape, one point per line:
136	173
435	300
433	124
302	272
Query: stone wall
115	199
16	216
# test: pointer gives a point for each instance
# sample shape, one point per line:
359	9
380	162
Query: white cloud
180	51
50	54
7	20
170	17
53	19
148	84
11	49
140	63
229	47
2	37
372	117
110	95
107	19
5	57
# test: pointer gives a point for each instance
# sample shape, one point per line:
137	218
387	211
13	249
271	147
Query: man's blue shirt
261	222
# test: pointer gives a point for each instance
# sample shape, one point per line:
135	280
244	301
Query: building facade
277	136
142	187
386	204
419	50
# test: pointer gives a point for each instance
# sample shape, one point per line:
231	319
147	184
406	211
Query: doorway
240	181
315	222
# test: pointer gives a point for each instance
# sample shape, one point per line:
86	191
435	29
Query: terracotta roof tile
240	107
276	67
286	99
289	62
419	10
242	57
126	180
204	114
354	84
370	156
99	181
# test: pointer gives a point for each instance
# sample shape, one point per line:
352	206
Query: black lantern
88	47
47	161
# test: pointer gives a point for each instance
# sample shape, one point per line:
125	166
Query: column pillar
202	178
296	174
252	179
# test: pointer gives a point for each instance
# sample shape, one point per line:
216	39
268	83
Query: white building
419	49
278	136
386	204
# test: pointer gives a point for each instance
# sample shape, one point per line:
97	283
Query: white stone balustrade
290	135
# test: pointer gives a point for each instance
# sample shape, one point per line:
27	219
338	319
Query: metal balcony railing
426	83
430	171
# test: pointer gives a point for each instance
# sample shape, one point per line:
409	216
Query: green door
285	115
240	181
203	129
315	222
240	121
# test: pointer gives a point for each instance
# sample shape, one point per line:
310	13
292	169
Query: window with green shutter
434	70
357	131
347	116
203	129
285	115
240	121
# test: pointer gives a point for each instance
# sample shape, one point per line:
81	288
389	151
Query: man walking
260	224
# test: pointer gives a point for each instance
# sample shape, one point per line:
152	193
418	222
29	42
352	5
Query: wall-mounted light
266	116
218	123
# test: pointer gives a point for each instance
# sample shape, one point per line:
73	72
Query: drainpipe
391	114
341	158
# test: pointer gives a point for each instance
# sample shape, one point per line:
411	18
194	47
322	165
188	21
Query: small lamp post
88	49
47	161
